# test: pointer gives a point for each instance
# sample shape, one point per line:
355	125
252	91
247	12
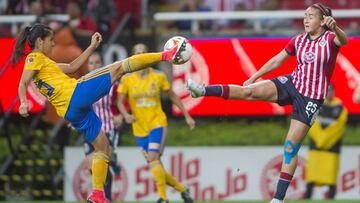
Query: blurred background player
111	122
326	134
149	121
67	94
316	51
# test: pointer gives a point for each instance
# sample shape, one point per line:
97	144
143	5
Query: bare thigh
263	90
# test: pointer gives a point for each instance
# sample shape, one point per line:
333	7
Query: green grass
298	201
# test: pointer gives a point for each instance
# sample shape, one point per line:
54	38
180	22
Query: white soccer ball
185	49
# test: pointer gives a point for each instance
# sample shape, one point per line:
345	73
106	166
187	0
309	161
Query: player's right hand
129	118
24	109
96	39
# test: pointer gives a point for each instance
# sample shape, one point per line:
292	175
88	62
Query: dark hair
324	10
29	35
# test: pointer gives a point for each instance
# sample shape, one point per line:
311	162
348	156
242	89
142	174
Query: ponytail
20	45
29	35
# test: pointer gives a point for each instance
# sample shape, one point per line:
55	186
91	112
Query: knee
152	157
248	93
290	151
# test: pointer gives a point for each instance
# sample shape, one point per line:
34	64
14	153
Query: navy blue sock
107	186
282	186
217	91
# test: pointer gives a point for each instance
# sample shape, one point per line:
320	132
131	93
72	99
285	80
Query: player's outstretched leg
263	90
141	61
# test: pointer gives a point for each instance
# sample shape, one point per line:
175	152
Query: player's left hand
24	109
190	121
329	22
96	39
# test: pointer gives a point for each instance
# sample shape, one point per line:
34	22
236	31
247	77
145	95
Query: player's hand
118	120
96	39
129	118
329	22
24	109
248	82
190	122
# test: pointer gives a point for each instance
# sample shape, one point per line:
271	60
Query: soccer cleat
195	89
162	201
186	196
97	196
276	201
171	54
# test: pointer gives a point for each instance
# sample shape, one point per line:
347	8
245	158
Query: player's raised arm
341	38
79	61
269	66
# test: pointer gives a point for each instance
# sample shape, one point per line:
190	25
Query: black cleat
162	201
186	196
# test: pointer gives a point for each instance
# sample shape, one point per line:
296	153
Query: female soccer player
73	98
149	121
111	122
316	50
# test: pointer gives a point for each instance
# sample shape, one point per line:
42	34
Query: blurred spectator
18	6
102	12
37	8
268	23
81	26
3	6
229	5
325	143
193	6
55	6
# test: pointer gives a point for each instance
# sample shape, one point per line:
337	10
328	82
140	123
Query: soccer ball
185	49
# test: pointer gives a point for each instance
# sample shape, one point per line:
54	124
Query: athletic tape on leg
289	155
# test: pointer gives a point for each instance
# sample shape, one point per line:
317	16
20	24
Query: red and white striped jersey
315	63
104	109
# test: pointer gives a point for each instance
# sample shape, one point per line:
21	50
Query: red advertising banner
9	81
234	60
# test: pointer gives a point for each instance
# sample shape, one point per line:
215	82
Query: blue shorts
305	109
154	142
89	89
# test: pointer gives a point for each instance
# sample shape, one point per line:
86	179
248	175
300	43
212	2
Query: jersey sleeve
164	83
33	62
123	87
290	47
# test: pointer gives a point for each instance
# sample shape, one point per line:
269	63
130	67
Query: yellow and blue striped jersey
51	81
144	100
